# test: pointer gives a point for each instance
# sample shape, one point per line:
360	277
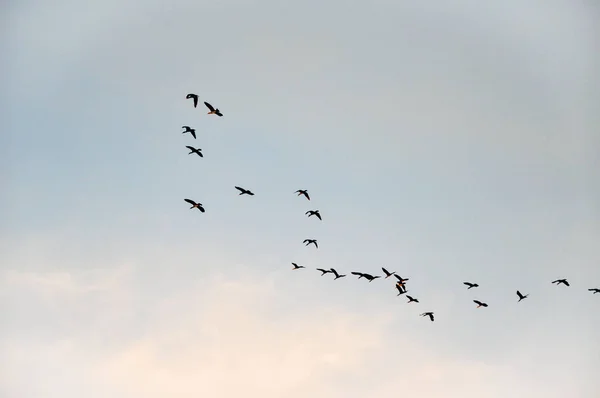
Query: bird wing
316	244
467	283
193	133
209	106
201	209
310	211
191	148
566	283
240	189
385	271
431	317
556	281
306	194
190	201
356	273
519	294
477	302
185	127
334	272
318	216
218	113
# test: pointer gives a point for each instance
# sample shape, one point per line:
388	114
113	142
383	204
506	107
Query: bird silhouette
370	277
323	271
594	290
387	273
471	285
195	150
521	296
296	266
479	303
401	289
563	281
194	97
411	299
429	314
196	205
314	213
336	274
309	241
244	191
303	192
188	129
359	274
213	111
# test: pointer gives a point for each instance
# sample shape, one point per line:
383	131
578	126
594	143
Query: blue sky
445	142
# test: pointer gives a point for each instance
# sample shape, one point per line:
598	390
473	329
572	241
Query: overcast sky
448	143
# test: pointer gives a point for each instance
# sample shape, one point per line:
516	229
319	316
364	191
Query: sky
446	141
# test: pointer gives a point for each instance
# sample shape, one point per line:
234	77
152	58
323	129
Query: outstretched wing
209	106
201	209
193	133
306	194
190	202
186	127
318	216
356	273
242	190
566	283
218	113
316	244
386	272
191	148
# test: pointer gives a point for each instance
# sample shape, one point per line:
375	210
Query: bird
563	281
323	271
196	205
195	150
401	289
387	273
370	277
212	110
296	266
521	296
401	280
471	285
303	192
594	290
336	274
411	299
309	241
194	97
479	303
429	314
359	274
244	191
314	213
188	129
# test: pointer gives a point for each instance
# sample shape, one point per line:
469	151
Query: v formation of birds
400	282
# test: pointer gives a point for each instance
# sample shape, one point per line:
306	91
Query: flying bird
479	303
195	150
471	285
595	290
194	97
563	281
411	299
188	129
303	192
196	205
429	314
244	191
314	213
336	274
296	266
370	277
521	296
323	271
213	111
309	241
401	289
387	273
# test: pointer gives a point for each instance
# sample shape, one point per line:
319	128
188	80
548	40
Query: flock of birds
400	281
